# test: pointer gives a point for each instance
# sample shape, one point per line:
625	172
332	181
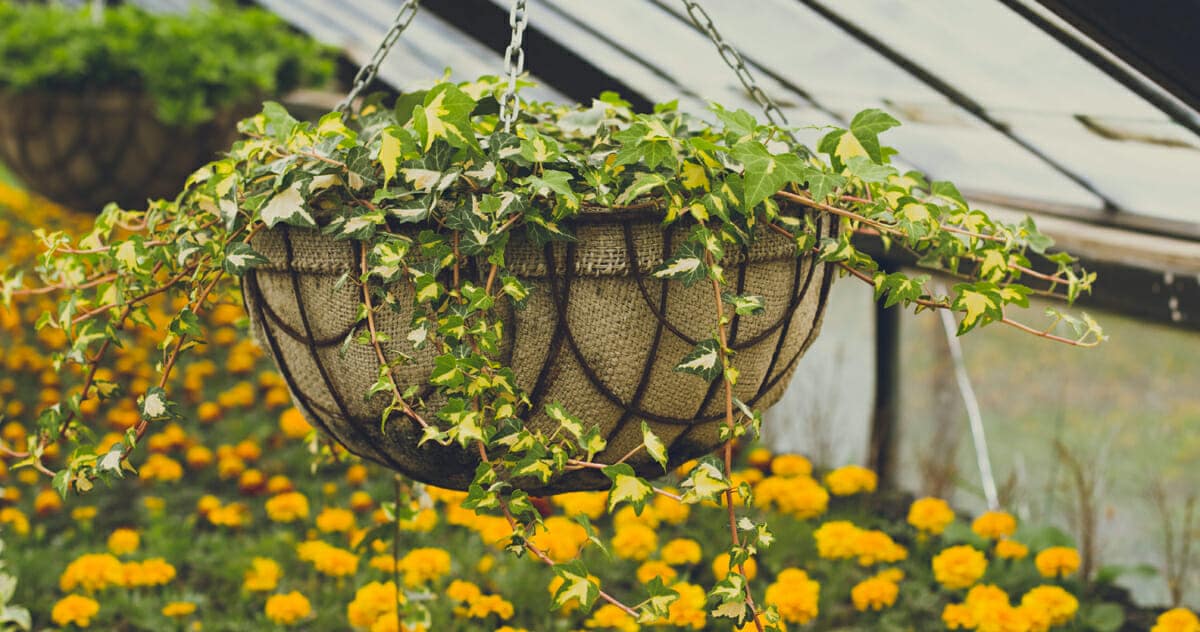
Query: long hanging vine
432	185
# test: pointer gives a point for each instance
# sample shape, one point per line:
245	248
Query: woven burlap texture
85	149
596	335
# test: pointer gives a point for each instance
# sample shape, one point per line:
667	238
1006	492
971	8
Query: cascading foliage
432	181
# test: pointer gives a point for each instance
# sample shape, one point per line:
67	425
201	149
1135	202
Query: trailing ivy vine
431	183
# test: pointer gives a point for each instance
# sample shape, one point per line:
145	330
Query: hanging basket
599	335
85	149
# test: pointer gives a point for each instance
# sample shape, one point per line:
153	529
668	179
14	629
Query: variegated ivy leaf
643	183
428	180
765	174
658	602
704	360
446	114
155	406
705	482
566	420
389	155
730	596
687	265
866	170
654	446
593	442
745	305
287	206
576	586
980	303
627	487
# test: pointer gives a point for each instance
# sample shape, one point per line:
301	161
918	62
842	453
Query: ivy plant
433	180
191	64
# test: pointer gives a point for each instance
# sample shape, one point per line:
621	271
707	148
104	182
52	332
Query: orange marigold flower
123	541
874	593
959	566
75	610
1177	620
850	480
287	507
287	609
91	572
1057	561
995	525
681	551
293	425
788	465
930	515
795	596
262	576
1007	549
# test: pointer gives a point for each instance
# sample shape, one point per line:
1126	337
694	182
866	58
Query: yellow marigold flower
356	474
760	458
681	551
198	457
423	522
91	572
207	503
279	484
1057	561
610	617
262	576
372	601
837	540
123	541
159	467
328	559
800	497
669	510
424	565
930	515
872	547
75	610
788	465
293	425
560	538
208	412
1059	604
233	515
874	593
982	596
383	563
1001	618
47	502
634	542
627	515
361	501
894	575
154	504
720	567
995	525
152	572
688	610
287	609
958	616
15	519
335	520
1007	549
656	568
1177	620
82	514
252	481
959	566
248	450
850	480
465	591
485	606
795	596
590	504
178	609
230	466
287	507
509	628
485	564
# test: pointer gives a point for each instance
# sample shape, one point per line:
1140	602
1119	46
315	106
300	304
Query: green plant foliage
191	64
432	181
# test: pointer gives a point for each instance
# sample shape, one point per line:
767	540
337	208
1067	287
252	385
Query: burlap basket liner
85	149
598	334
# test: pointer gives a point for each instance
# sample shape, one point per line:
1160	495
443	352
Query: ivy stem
730	425
399	397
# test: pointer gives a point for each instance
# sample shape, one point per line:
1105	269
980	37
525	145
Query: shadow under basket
85	149
599	335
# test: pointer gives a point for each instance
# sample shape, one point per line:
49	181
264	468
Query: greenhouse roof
1023	110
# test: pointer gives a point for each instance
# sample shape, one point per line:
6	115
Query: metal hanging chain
366	74
733	59
514	64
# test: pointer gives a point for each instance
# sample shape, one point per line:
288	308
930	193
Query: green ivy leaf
704	360
765	173
627	487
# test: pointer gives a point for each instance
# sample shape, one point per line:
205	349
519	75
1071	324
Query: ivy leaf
576	586
687	265
240	257
155	406
654	446
658	602
642	184
746	305
389	155
704	482
980	303
627	487
730	596
766	174
739	122
822	184
866	127
287	207
571	423
867	171
446	114
704	360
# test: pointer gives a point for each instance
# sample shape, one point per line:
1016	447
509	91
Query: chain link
366	74
733	59
514	64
